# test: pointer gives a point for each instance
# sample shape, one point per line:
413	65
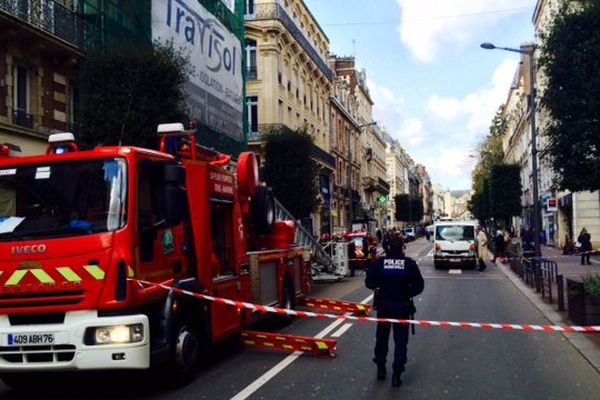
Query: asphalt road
448	363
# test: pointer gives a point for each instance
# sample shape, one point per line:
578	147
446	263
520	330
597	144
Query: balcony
49	17
383	186
370	184
22	118
322	156
275	11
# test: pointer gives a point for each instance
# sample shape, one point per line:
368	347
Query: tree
408	208
290	170
505	193
402	211
489	153
127	92
570	62
416	208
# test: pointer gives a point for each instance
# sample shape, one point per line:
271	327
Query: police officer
395	279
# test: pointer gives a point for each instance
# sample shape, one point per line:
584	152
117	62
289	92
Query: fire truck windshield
62	199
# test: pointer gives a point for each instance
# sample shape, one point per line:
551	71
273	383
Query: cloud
475	110
444	139
412	133
428	26
448	165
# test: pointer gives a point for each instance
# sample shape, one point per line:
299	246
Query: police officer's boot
396	373
381	372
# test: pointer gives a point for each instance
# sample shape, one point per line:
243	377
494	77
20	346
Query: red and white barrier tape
442	324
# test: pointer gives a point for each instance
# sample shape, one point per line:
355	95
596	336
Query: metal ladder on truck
324	267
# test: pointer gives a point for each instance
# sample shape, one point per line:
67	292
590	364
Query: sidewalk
588	344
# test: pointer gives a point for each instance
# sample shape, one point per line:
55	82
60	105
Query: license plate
34	338
455	260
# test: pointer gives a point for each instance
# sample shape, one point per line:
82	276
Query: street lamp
536	201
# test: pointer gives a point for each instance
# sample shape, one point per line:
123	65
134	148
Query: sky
435	89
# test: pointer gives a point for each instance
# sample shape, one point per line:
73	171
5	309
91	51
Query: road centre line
342	330
267	376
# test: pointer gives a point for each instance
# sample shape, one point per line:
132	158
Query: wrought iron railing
22	118
48	16
275	11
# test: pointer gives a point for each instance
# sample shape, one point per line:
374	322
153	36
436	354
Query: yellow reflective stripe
289	347
16	277
360	307
268	344
130	272
321	345
42	276
69	274
95	271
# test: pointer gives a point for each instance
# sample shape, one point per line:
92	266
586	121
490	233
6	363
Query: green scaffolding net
110	23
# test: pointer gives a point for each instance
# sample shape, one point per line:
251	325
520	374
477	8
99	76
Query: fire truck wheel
186	354
262	208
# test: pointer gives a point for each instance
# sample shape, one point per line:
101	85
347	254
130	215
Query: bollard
560	288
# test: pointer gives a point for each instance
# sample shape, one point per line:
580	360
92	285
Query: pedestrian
385	243
396	279
481	247
527	239
586	246
379	235
498	246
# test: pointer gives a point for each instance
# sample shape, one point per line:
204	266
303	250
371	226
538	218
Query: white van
454	244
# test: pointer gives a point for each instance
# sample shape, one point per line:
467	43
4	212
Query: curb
588	349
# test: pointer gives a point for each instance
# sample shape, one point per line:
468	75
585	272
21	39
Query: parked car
409	234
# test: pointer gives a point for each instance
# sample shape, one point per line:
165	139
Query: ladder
321	261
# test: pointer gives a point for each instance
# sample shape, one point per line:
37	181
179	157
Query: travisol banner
215	88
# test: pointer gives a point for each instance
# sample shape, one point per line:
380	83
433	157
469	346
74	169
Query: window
251	73
221	229
252	111
21	96
249	7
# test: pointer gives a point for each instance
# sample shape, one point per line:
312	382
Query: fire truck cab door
225	276
160	246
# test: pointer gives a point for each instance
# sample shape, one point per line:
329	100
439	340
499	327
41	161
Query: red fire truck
80	230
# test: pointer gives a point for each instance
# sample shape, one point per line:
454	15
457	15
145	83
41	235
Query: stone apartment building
289	84
562	213
40	52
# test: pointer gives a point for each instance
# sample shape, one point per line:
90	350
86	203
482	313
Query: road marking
270	374
455	271
466	278
342	330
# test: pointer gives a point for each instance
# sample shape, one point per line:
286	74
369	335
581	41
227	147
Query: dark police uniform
397	279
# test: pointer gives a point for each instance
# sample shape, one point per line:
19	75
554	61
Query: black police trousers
382	336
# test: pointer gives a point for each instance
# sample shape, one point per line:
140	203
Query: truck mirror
175	194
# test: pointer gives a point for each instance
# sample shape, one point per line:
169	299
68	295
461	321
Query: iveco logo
32	249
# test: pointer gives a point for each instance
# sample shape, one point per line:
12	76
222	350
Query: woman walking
586	246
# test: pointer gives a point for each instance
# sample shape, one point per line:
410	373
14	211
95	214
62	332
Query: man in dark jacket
395	279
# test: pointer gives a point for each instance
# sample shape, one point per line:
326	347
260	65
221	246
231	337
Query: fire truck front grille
26	300
38	354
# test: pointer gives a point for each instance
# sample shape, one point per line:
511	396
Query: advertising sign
215	88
